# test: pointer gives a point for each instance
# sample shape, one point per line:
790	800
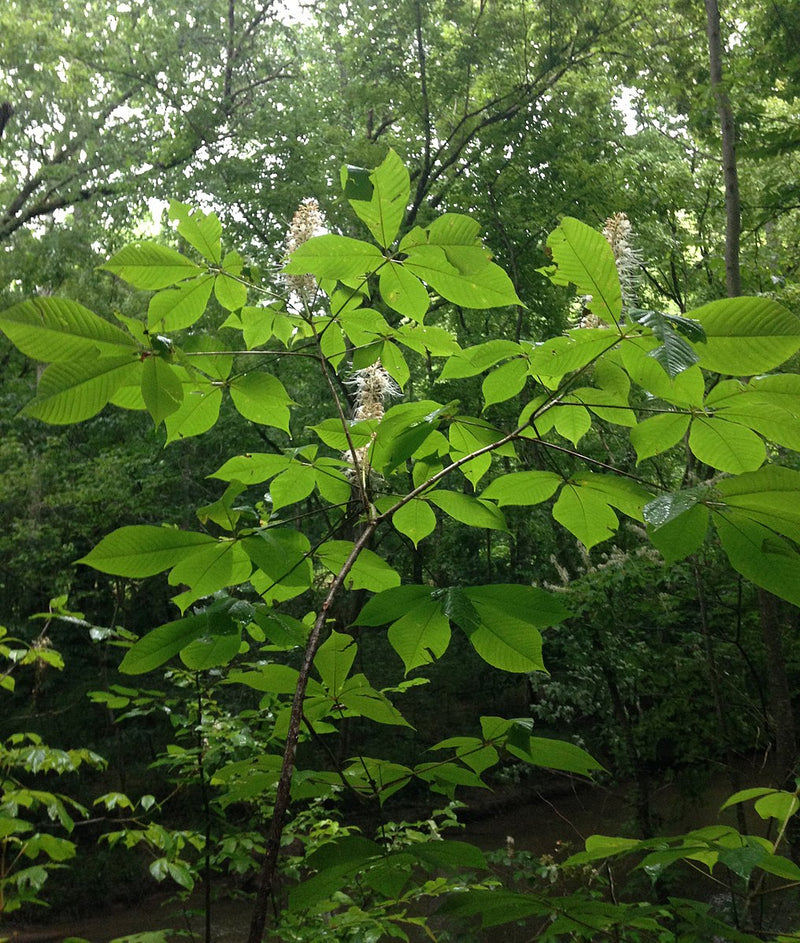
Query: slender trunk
730	174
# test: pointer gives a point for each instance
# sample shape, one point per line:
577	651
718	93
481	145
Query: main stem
266	881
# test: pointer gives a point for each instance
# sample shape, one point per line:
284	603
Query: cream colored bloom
373	386
619	234
307	222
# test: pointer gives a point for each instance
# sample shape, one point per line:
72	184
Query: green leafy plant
33	820
291	573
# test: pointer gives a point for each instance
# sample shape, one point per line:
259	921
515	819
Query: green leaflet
331	433
426	339
674	353
770	496
360	699
150	266
585	504
422	634
745	336
562	355
162	389
333	256
505	382
759	554
292	485
486	287
71	391
610	405
252	468
523	488
415	519
201	230
175	308
468	510
583	258
552	754
403	292
685	389
570	420
402	431
368	572
383	212
474	360
502	622
51	329
229	290
261	398
211	651
657	434
223	511
142	550
197	413
768	405
209	569
726	445
334	659
682	534
282	556
158	646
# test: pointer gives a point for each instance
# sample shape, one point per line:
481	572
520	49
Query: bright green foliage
290	567
28	849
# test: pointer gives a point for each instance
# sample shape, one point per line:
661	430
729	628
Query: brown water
536	823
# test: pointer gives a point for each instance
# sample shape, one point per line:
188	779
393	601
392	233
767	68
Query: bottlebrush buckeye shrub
378	314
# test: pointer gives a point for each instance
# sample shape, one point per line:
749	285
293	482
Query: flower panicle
619	235
307	222
372	386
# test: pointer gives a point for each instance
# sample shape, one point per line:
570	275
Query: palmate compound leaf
51	329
